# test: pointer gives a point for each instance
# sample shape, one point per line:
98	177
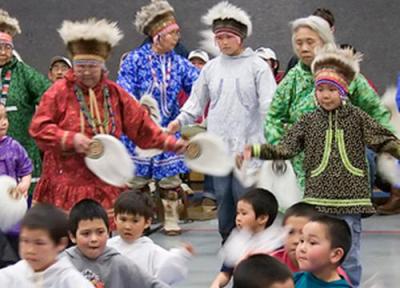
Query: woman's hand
81	143
173	127
180	146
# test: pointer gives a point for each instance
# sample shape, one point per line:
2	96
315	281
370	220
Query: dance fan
207	154
154	112
242	243
12	206
109	160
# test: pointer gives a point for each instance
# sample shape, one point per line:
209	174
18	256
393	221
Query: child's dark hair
135	203
338	231
263	203
49	218
325	14
260	271
300	209
86	209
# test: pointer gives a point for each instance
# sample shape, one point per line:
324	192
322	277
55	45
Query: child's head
88	224
295	218
230	27
59	65
44	234
198	58
133	212
262	271
324	244
334	69
3	120
256	210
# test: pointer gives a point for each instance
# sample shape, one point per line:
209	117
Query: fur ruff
225	10
91	29
208	42
147	13
11	22
347	62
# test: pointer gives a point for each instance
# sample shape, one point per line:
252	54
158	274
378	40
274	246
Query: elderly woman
155	70
295	97
21	87
81	105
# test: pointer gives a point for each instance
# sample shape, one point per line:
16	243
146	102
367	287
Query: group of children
316	245
127	260
314	248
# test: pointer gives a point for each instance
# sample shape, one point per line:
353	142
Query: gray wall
370	25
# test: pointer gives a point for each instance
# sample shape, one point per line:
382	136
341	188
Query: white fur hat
153	16
9	24
90	36
226	16
344	61
229	15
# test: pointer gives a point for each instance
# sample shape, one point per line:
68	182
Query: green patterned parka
26	87
295	96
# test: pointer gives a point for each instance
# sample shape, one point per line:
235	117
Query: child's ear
147	223
336	255
63	244
72	237
262	219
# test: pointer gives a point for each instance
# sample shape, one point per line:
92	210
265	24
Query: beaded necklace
93	116
5	85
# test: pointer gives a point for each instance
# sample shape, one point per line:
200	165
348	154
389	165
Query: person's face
314	252
3	121
89	74
38	249
228	44
246	218
91	237
5	54
57	71
130	227
295	224
199	63
328	97
306	41
287	284
169	40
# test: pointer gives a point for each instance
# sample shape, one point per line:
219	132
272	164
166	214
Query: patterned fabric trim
343	155
256	150
338	202
327	150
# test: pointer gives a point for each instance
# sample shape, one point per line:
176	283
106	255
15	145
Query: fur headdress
227	14
9	24
336	66
224	16
91	37
154	17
